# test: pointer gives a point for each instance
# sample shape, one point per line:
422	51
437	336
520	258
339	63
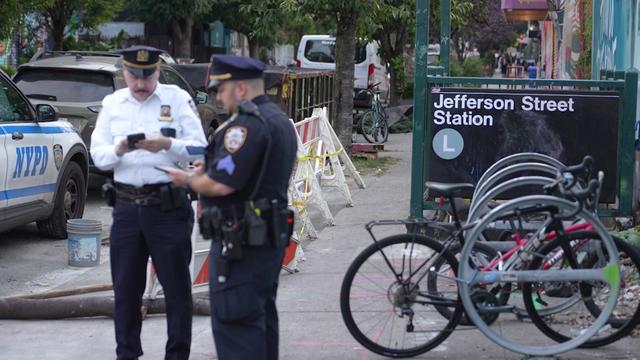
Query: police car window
173	79
64	85
12	106
325	51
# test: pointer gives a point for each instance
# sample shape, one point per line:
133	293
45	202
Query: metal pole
629	103
632	38
419	103
595	38
445	35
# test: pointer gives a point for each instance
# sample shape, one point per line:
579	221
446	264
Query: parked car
76	82
318	52
44	163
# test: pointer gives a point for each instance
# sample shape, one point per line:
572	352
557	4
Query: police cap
141	61
232	67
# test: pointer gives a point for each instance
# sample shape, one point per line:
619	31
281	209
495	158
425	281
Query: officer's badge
142	56
234	138
165	113
58	155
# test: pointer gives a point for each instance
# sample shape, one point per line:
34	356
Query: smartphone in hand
165	169
132	139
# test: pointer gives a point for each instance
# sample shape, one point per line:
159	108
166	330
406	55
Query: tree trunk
343	88
182	36
254	48
394	92
57	21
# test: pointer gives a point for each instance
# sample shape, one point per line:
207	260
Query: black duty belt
147	195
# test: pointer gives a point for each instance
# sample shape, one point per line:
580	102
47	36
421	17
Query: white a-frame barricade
304	187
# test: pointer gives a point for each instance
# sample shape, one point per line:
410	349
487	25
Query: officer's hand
122	147
198	167
154	144
177	176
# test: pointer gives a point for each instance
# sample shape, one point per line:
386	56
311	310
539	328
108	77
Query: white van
318	52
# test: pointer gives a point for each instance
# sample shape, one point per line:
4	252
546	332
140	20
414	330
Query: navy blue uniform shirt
235	156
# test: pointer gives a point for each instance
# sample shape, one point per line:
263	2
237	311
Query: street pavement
311	325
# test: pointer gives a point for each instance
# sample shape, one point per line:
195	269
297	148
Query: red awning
525	10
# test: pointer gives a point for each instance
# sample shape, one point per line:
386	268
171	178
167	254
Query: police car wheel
69	203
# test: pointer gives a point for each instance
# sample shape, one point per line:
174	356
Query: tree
493	32
260	21
180	14
58	14
12	13
346	14
464	13
392	24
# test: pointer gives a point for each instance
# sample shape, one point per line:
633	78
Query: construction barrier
320	162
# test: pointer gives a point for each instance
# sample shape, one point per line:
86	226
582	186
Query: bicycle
373	122
405	292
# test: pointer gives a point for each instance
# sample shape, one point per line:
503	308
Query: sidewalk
311	325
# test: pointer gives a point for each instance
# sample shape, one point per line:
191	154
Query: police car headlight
96	109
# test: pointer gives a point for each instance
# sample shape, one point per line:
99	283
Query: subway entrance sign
470	129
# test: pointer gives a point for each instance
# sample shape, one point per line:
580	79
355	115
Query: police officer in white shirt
141	128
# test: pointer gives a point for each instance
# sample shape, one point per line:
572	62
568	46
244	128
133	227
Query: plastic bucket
84	237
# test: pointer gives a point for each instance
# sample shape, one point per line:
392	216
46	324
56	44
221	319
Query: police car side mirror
201	97
46	112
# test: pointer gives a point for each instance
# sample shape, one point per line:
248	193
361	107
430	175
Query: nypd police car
43	165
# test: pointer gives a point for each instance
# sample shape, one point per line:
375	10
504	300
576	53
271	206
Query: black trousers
136	233
244	317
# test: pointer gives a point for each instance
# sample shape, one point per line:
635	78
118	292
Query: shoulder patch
226	164
234	138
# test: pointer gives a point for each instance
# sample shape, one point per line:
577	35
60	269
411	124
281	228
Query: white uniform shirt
122	115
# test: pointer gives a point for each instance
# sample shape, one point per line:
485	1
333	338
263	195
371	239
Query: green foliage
163	11
260	21
392	24
58	15
632	236
403	126
12	15
583	65
376	166
70	43
470	67
404	87
488	58
9	70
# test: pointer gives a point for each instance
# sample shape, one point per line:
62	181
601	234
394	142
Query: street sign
473	128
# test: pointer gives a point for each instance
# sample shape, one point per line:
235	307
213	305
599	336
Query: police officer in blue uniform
140	128
243	187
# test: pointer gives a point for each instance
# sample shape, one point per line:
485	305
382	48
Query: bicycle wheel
482	255
382	301
374	127
523	337
563	327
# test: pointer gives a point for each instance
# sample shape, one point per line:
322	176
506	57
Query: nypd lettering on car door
34	156
33	159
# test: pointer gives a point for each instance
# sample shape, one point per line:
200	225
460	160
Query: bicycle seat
448	189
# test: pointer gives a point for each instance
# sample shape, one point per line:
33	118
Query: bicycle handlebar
584	167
